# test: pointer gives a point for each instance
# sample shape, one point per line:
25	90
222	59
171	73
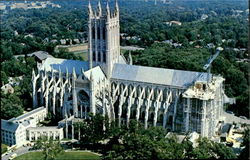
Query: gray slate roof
8	125
26	115
41	55
57	63
12	124
162	76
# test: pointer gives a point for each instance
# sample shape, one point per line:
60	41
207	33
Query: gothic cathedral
178	100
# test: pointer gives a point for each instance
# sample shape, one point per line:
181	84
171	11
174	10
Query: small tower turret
116	8
74	73
90	9
108	11
99	9
130	59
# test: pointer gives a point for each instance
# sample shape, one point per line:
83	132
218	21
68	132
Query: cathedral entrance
83	104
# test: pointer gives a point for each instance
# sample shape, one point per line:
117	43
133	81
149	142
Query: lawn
83	54
78	155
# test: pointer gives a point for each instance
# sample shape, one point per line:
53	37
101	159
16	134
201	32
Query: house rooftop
9	125
41	55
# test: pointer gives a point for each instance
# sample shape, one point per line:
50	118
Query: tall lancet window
104	33
98	33
93	32
99	56
94	56
104	56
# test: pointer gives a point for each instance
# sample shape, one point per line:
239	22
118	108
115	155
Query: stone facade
55	133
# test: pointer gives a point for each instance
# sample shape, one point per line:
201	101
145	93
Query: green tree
4	78
50	149
246	141
136	142
10	106
6	51
92	129
208	149
237	80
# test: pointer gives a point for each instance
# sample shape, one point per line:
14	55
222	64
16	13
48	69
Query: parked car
243	117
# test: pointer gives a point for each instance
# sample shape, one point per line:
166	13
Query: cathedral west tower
104	38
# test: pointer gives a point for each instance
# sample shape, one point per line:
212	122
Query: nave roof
161	76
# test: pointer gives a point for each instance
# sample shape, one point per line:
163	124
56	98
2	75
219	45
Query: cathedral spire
74	73
116	6
90	9
60	72
108	10
130	59
91	77
33	73
99	8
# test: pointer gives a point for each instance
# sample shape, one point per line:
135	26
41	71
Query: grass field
78	155
83	54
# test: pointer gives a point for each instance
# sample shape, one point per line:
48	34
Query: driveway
19	151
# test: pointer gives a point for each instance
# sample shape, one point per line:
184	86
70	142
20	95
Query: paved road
131	48
19	151
230	118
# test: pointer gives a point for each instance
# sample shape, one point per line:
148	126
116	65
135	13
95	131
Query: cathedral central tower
104	38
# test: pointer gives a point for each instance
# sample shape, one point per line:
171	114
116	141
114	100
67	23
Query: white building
55	133
13	131
38	114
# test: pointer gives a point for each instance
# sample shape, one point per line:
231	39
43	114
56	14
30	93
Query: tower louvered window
94	56
93	32
99	57
98	33
104	33
104	56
